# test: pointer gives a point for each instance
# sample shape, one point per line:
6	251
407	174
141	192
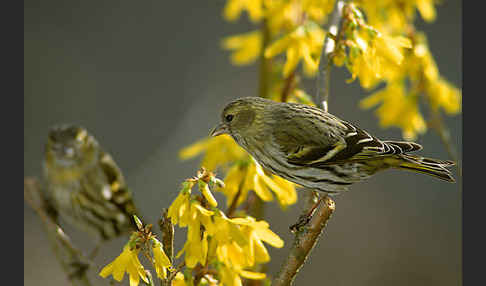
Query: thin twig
232	208
324	71
288	86
304	242
66	253
167	230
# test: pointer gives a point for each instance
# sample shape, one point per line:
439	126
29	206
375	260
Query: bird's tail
433	167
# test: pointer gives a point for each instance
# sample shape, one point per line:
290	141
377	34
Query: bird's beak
218	130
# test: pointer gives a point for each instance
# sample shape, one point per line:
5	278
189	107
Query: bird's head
69	145
241	117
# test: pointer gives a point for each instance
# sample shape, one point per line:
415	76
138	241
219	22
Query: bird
85	186
315	149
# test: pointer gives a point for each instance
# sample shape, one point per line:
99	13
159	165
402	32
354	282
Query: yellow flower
283	189
246	47
204	188
421	63
257	232
422	69
252	275
254	181
397	109
251	177
233	182
377	59
443	94
232	254
225	231
218	151
233	9
179	210
231	276
238	244
128	262
318	10
304	43
179	280
426	9
391	48
282	15
227	242
161	261
196	248
394	16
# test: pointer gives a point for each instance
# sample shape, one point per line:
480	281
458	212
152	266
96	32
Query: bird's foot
305	218
301	223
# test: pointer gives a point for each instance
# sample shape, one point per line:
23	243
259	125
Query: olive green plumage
84	184
315	149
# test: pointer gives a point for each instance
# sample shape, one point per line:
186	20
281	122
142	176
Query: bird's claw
302	222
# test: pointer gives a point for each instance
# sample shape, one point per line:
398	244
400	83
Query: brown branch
321	98
288	87
67	255
232	208
167	230
265	64
304	242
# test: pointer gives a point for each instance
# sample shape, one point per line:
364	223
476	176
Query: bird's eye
228	117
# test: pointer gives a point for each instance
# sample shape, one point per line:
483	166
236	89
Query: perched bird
84	184
315	149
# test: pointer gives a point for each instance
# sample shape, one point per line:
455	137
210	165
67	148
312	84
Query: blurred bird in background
84	185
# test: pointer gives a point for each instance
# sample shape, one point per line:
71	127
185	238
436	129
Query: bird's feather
348	144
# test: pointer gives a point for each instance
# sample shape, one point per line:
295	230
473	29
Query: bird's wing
346	143
121	195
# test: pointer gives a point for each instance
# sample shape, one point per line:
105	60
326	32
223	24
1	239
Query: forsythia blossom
233	9
304	43
128	262
395	16
232	245
241	177
377	58
161	261
196	246
250	176
218	151
397	109
246	47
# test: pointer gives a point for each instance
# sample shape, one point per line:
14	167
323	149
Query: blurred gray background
149	77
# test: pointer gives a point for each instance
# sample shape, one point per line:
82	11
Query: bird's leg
306	217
